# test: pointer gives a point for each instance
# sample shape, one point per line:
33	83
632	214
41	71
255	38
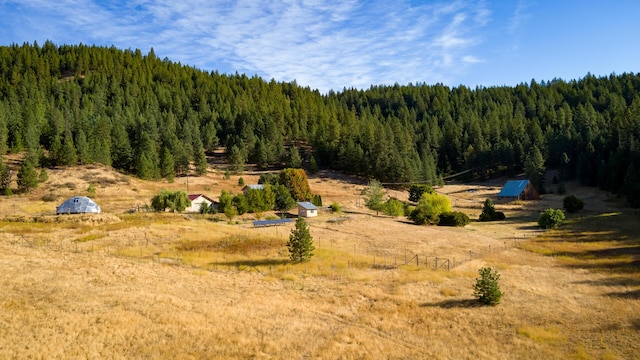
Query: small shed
78	205
252	187
196	202
307	209
519	190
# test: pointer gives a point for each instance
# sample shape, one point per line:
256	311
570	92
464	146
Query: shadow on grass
634	294
454	303
251	263
607	242
612	281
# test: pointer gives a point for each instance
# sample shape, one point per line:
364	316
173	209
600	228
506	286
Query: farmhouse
519	190
252	187
78	205
196	202
307	209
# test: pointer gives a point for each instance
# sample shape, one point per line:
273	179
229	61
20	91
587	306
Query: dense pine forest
77	104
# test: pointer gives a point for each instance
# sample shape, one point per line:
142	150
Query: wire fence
140	244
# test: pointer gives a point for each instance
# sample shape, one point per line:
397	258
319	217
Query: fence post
436	263
417	262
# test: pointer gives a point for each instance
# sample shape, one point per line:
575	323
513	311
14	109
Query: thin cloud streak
321	44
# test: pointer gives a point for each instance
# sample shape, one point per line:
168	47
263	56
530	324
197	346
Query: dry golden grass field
134	284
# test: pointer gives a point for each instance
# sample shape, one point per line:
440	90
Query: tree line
155	118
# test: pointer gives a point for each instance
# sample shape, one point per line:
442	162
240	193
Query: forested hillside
77	104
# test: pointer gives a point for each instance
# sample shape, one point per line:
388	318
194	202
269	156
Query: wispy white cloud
323	44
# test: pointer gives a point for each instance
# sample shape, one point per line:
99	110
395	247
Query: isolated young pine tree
300	242
487	289
27	177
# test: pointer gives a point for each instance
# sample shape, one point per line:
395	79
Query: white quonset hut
307	209
78	205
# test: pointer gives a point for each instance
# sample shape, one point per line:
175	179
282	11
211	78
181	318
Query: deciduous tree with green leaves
375	195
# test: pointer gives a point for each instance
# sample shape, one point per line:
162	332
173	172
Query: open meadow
133	284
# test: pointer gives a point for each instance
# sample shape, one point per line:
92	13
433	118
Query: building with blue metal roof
519	190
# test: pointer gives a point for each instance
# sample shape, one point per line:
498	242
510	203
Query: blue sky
332	44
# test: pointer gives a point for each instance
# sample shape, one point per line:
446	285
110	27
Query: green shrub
489	212
316	200
394	207
453	218
551	218
572	204
429	208
335	207
487	289
241	181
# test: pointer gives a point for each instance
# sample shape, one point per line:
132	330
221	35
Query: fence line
373	261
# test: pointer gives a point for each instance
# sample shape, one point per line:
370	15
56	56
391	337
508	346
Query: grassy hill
146	285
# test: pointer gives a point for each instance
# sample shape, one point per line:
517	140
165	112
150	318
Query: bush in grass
551	218
335	207
453	218
489	212
429	207
487	289
394	207
572	203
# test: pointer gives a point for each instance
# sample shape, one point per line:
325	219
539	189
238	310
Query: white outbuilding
307	209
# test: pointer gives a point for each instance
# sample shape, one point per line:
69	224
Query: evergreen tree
84	153
5	178
300	242
487	288
68	155
27	177
241	204
167	165
283	200
535	169
201	162
235	160
294	160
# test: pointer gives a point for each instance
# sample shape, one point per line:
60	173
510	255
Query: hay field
145	285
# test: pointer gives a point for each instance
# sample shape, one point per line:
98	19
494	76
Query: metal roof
307	205
513	188
78	205
255	186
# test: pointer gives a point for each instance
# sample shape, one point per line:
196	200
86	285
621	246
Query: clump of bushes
489	212
551	218
453	218
572	203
